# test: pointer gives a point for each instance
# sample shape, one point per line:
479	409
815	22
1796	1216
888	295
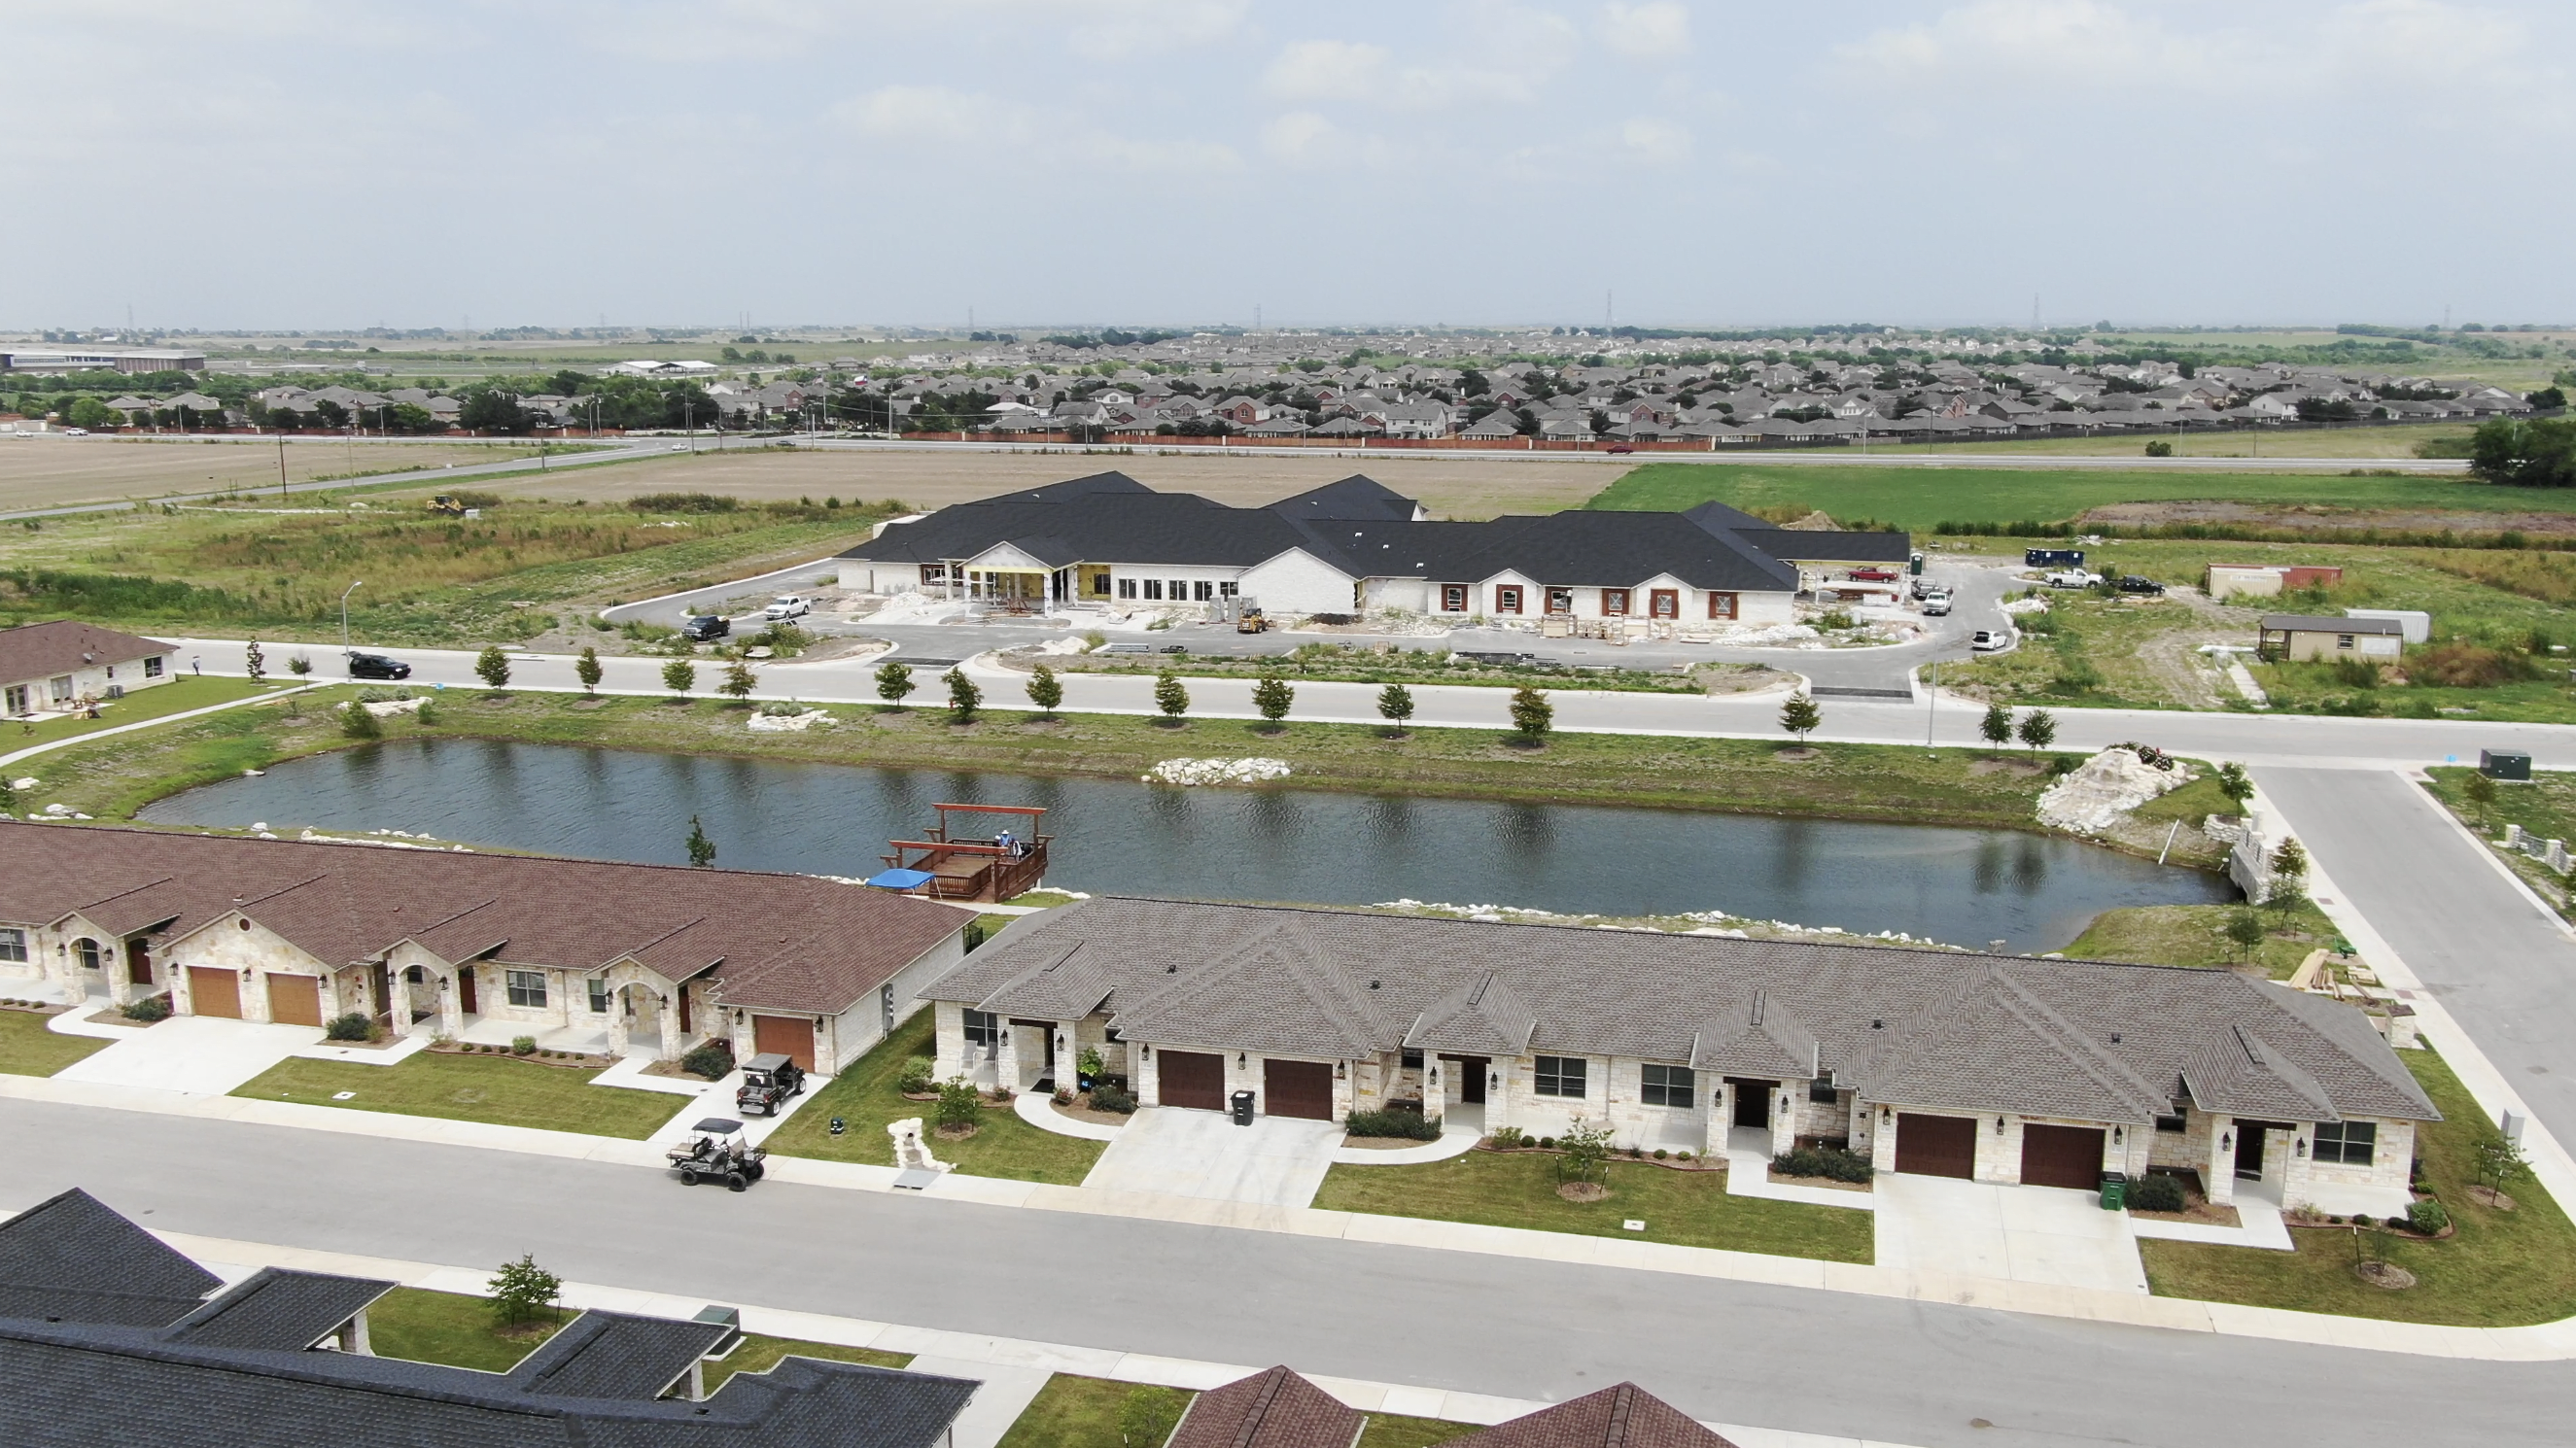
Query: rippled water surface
1965	886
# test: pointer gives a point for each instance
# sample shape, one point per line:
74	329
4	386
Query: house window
1664	603
598	995
1154	588
152	666
1507	598
934	573
1665	1085
61	686
1181	590
1614	602
1822	1090
1560	1076
526	987
85	950
1412	1061
1560	600
983	1028
2347	1143
1721	605
1126	588
2177	1124
17	699
1203	590
1453	598
2343	641
13	944
1227	590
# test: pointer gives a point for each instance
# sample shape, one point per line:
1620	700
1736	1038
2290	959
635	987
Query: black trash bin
1243	1108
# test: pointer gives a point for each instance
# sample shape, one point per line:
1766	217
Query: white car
787	606
1991	640
75	432
2070	578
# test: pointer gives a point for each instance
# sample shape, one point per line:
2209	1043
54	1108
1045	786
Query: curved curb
1451	1143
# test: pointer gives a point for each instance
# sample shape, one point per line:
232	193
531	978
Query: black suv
377	666
706	626
2132	583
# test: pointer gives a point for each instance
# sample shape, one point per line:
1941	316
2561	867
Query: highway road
1823	1362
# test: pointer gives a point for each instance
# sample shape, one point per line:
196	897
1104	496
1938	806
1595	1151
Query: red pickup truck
1873	575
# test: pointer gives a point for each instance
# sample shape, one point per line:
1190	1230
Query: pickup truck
1873	575
2069	578
787	606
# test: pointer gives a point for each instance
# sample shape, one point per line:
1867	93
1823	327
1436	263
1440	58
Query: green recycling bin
2115	1190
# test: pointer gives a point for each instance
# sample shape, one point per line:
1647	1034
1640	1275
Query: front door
138	963
465	991
1752	1102
1471	1079
2249	1148
214	992
1193	1079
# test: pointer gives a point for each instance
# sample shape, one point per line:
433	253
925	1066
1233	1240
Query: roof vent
2115	1038
1373	985
1171	970
1877	1025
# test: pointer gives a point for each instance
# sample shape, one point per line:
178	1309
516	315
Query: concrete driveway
2043	1235
195	1055
1277	1161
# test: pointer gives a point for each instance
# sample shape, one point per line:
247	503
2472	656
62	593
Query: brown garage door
294	1000
214	992
785	1035
2061	1156
1936	1145
1190	1078
1297	1088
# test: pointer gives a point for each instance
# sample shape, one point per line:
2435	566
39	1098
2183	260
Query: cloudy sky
301	164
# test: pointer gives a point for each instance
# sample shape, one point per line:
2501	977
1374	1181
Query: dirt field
1450	487
61	472
2271	515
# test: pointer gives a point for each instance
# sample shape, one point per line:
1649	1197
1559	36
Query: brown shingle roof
41	650
780	942
1274	1409
2087	1039
1626	1416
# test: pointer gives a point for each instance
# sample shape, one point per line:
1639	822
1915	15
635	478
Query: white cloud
1656	33
1328	70
1650	142
938	114
1303	139
1495	57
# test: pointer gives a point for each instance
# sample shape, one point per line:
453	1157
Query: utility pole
1931	705
354	585
281	467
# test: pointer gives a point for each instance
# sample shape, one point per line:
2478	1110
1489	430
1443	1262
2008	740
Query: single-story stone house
423	940
1994	1068
49	668
1352	545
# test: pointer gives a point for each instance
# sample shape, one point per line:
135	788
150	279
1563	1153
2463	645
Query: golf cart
768	1081
718	1152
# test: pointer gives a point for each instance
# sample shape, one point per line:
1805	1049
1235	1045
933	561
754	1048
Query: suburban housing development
53	668
1994	1068
425	940
1355	545
133	1342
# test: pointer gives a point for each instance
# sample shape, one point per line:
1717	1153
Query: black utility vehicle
718	1152
706	626
769	1081
2132	583
377	666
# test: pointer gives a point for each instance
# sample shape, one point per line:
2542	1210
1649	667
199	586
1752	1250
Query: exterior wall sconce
1999	1126
2303	1147
2116	1136
245	975
1495	1080
2226	1140
1341	1071
1886	1117
1241	1059
1144	1052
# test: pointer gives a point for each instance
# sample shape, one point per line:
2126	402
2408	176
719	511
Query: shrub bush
523	1045
1831	1163
1659	1153
711	1060
351	1027
1510	1136
357	723
2362	1219
2467	666
148	1009
2428	1217
2156	1192
1547	1143
915	1079
958	1103
1111	1099
1392	1123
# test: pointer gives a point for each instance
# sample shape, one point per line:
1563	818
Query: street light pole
354	585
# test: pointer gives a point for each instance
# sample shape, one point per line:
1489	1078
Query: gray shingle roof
280	1309
2086	1039
617	1355
50	1267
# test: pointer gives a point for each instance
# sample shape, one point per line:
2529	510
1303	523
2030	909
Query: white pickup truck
786	606
2070	578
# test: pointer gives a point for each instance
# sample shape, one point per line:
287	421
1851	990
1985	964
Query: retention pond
1963	886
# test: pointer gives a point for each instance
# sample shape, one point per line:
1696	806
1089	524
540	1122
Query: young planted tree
2500	1163
1532	715
1272	696
300	666
2244	931
357	723
680	676
1171	696
1045	690
894	682
522	1289
588	669
254	663
2289	876
2038	729
1586	1151
1801	715
1395	706
1996	727
959	1104
739	681
492	666
963	696
2234	783
2481	791
702	851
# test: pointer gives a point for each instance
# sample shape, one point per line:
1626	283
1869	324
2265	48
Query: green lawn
2545	806
27	1048
2502	1269
1916	498
1518	1189
1394	1430
497	1089
1076	1412
453	1328
2196	935
865	1098
159	701
758	1354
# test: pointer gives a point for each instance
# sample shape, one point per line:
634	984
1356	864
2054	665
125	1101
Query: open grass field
64	472
428	578
1916	499
1518	1189
2197	935
2357	443
865	1098
2502	1269
933	478
499	1089
27	1048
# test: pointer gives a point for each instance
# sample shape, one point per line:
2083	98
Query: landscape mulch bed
1083	1110
1698	1163
1817	1181
577	1063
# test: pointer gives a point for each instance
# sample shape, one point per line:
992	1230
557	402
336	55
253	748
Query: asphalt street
1822	1362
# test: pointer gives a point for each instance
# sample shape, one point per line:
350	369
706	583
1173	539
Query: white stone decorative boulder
911	1153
